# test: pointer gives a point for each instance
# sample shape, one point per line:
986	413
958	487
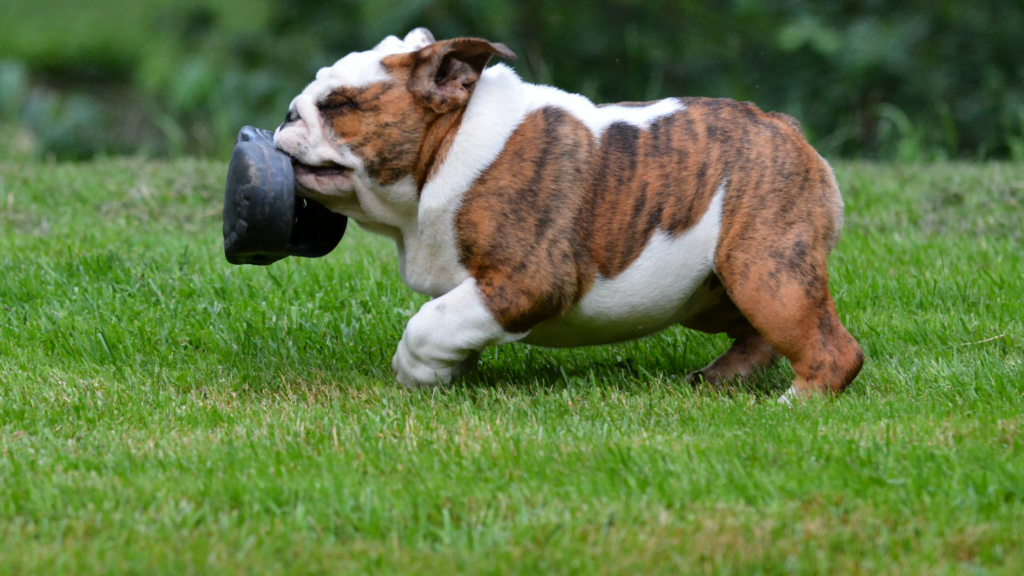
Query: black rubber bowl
263	219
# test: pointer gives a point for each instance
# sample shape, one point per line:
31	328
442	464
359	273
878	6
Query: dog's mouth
325	179
325	171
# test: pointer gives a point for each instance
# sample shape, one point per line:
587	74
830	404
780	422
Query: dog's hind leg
749	353
780	285
781	218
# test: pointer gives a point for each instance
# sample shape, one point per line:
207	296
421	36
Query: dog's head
365	124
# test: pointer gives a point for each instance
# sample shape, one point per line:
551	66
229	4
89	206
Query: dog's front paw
413	371
445	338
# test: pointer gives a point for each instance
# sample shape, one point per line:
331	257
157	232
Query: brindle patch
381	125
522	227
556	208
649	180
440	129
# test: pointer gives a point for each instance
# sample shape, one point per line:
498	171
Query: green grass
162	412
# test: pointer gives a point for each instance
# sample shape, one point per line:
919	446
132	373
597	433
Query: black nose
292	116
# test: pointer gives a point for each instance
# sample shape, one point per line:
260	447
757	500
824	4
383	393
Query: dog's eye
338	105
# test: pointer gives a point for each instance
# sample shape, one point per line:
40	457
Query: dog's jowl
531	214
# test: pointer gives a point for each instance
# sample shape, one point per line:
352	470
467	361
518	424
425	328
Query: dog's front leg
446	335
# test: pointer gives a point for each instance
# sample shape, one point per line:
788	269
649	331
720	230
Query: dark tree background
903	80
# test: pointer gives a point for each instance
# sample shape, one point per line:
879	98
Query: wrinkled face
358	130
357	123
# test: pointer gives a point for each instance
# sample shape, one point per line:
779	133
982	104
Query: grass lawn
162	412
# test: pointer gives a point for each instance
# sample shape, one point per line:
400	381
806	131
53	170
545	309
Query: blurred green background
907	80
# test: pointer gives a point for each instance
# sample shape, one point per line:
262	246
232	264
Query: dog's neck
437	141
455	152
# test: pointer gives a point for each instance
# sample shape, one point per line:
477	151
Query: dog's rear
781	221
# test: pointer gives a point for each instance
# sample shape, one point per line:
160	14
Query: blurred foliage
906	80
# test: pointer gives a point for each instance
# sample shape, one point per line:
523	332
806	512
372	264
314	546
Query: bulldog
530	214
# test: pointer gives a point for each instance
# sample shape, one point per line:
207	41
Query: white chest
428	259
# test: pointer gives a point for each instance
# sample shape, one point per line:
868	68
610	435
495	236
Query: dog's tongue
263	220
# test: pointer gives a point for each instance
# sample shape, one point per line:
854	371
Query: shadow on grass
263	364
628	375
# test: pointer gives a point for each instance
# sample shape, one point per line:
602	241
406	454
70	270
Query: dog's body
532	215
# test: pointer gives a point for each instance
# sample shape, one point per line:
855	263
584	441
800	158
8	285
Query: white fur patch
657	290
418	38
356	69
597	118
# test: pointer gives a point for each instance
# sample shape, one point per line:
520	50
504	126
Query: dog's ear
419	38
444	73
